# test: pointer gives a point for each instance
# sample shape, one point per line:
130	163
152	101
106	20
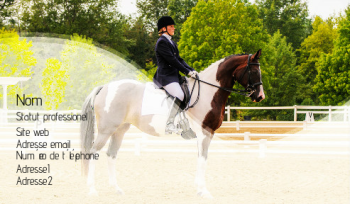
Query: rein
246	92
237	91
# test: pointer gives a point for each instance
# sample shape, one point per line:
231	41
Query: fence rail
311	110
307	110
142	145
61	131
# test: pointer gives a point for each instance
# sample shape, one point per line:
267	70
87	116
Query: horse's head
248	74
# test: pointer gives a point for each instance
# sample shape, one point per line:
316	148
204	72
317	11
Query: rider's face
170	29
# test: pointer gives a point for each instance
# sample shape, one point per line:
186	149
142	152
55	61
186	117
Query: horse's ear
256	56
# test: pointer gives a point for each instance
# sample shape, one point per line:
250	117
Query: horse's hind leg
98	144
114	145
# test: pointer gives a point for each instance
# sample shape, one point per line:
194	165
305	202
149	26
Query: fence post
295	113
237	125
246	136
228	113
262	148
330	114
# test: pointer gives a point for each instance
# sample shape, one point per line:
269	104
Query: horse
118	104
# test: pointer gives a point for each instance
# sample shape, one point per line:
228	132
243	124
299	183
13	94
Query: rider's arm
164	50
185	64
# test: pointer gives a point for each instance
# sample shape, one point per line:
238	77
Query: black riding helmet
164	21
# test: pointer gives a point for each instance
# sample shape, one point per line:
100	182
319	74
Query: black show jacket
169	63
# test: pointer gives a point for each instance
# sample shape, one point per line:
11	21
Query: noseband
251	88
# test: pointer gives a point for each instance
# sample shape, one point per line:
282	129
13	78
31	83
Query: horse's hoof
205	194
189	134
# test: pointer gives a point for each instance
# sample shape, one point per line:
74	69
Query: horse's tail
87	128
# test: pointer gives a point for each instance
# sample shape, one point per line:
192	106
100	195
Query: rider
169	64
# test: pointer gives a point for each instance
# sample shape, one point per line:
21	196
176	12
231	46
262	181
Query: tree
141	48
333	81
4	11
319	42
151	11
16	60
54	83
180	10
288	16
85	67
217	29
146	26
283	85
98	20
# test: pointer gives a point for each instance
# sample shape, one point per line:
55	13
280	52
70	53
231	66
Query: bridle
251	88
248	91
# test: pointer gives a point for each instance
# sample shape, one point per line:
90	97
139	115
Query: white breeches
175	90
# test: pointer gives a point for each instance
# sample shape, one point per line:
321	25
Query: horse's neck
212	100
209	74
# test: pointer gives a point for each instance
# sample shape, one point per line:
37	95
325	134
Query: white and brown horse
118	105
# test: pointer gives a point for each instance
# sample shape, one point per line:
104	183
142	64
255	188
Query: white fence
139	142
261	147
321	144
311	110
307	110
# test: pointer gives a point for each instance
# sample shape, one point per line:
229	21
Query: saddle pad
154	101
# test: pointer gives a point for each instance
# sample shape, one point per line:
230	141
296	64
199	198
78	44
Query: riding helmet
165	21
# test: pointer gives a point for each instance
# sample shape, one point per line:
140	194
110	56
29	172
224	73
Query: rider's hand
192	74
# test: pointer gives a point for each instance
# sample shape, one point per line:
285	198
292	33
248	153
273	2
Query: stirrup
170	128
187	133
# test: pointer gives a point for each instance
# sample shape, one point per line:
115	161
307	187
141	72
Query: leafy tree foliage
180	10
151	11
146	76
141	48
16	60
145	28
54	83
217	29
288	16
4	10
281	74
319	42
281	81
99	20
86	69
333	81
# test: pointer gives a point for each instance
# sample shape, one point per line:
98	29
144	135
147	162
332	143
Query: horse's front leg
203	142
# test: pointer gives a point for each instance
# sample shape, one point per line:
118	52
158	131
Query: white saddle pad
154	101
